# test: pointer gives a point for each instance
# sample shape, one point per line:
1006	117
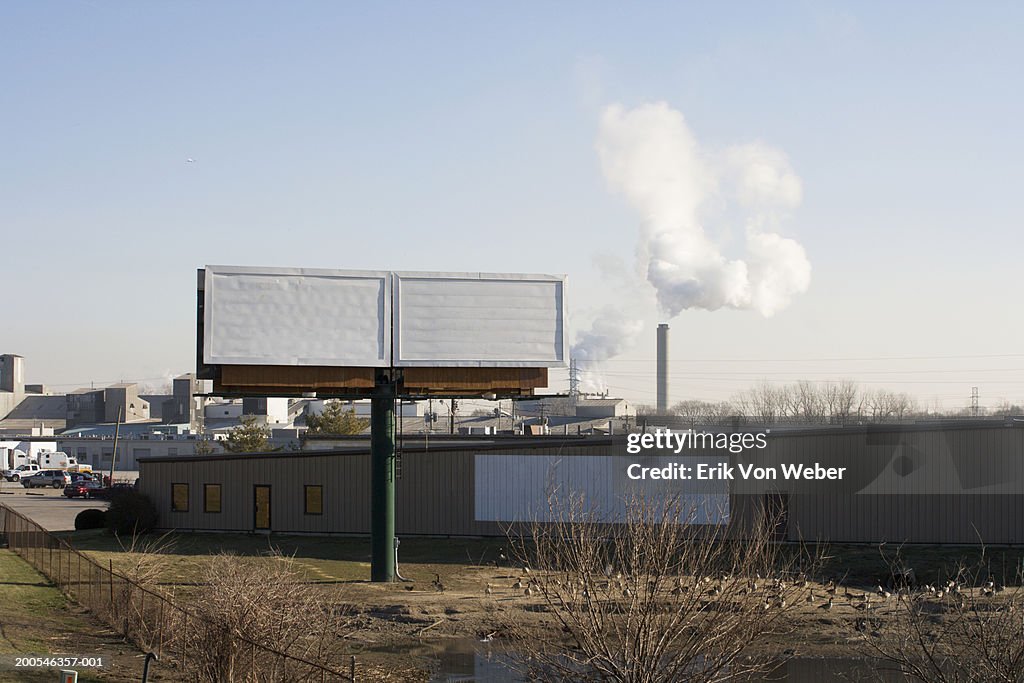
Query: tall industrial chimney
663	369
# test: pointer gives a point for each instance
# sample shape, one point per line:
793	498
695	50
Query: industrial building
955	482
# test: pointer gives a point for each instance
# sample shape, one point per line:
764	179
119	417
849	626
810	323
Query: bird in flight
190	160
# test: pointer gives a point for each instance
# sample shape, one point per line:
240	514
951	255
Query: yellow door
262	507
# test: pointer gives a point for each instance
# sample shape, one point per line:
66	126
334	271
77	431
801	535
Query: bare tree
1004	408
968	627
808	402
653	598
763	403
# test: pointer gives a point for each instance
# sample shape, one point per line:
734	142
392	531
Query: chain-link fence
148	618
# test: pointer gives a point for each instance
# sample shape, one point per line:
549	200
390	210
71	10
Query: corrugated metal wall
903	485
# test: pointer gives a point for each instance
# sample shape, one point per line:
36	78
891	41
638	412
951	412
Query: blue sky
461	136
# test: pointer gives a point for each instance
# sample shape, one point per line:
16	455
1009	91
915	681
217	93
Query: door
262	508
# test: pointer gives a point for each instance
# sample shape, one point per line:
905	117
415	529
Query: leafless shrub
968	627
249	608
141	564
652	598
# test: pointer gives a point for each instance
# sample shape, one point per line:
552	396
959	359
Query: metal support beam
382	481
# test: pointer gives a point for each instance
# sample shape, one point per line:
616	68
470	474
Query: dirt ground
399	628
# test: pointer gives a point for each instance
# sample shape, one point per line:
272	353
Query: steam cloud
612	333
650	156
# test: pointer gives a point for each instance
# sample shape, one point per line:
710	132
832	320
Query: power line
813	360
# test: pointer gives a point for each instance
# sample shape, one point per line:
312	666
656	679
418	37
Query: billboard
479	320
297	316
366	319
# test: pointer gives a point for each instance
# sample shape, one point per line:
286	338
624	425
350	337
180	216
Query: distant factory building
603	407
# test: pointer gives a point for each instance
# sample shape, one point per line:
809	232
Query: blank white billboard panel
296	316
479	320
522	488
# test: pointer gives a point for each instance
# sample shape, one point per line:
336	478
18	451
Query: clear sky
465	136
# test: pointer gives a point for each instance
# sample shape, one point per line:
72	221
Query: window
314	499
179	497
211	497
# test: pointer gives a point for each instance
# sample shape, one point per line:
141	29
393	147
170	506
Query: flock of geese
773	593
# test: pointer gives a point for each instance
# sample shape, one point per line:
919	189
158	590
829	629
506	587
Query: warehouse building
933	483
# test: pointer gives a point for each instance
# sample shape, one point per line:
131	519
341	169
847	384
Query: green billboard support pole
382	481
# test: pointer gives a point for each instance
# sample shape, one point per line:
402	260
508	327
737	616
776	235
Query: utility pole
451	417
113	456
974	401
574	381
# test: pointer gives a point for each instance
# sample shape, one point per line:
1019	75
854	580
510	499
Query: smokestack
663	369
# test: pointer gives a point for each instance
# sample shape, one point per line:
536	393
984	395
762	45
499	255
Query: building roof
40	407
598	402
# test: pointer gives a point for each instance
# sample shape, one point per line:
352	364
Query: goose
488	590
518	584
827	605
438	586
528	592
810	596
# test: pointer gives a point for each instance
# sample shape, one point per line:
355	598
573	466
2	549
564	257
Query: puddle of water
462	660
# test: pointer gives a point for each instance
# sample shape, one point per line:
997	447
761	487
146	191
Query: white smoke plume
612	333
649	155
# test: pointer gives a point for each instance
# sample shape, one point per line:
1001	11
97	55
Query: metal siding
436	494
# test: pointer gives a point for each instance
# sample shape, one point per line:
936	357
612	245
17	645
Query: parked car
107	491
22	471
83	488
55	478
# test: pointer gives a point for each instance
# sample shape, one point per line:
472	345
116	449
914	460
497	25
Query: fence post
160	636
110	572
184	637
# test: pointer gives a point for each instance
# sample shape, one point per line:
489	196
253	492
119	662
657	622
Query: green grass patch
347	559
35	619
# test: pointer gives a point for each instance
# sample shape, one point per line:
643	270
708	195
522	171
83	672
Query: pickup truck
20	472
